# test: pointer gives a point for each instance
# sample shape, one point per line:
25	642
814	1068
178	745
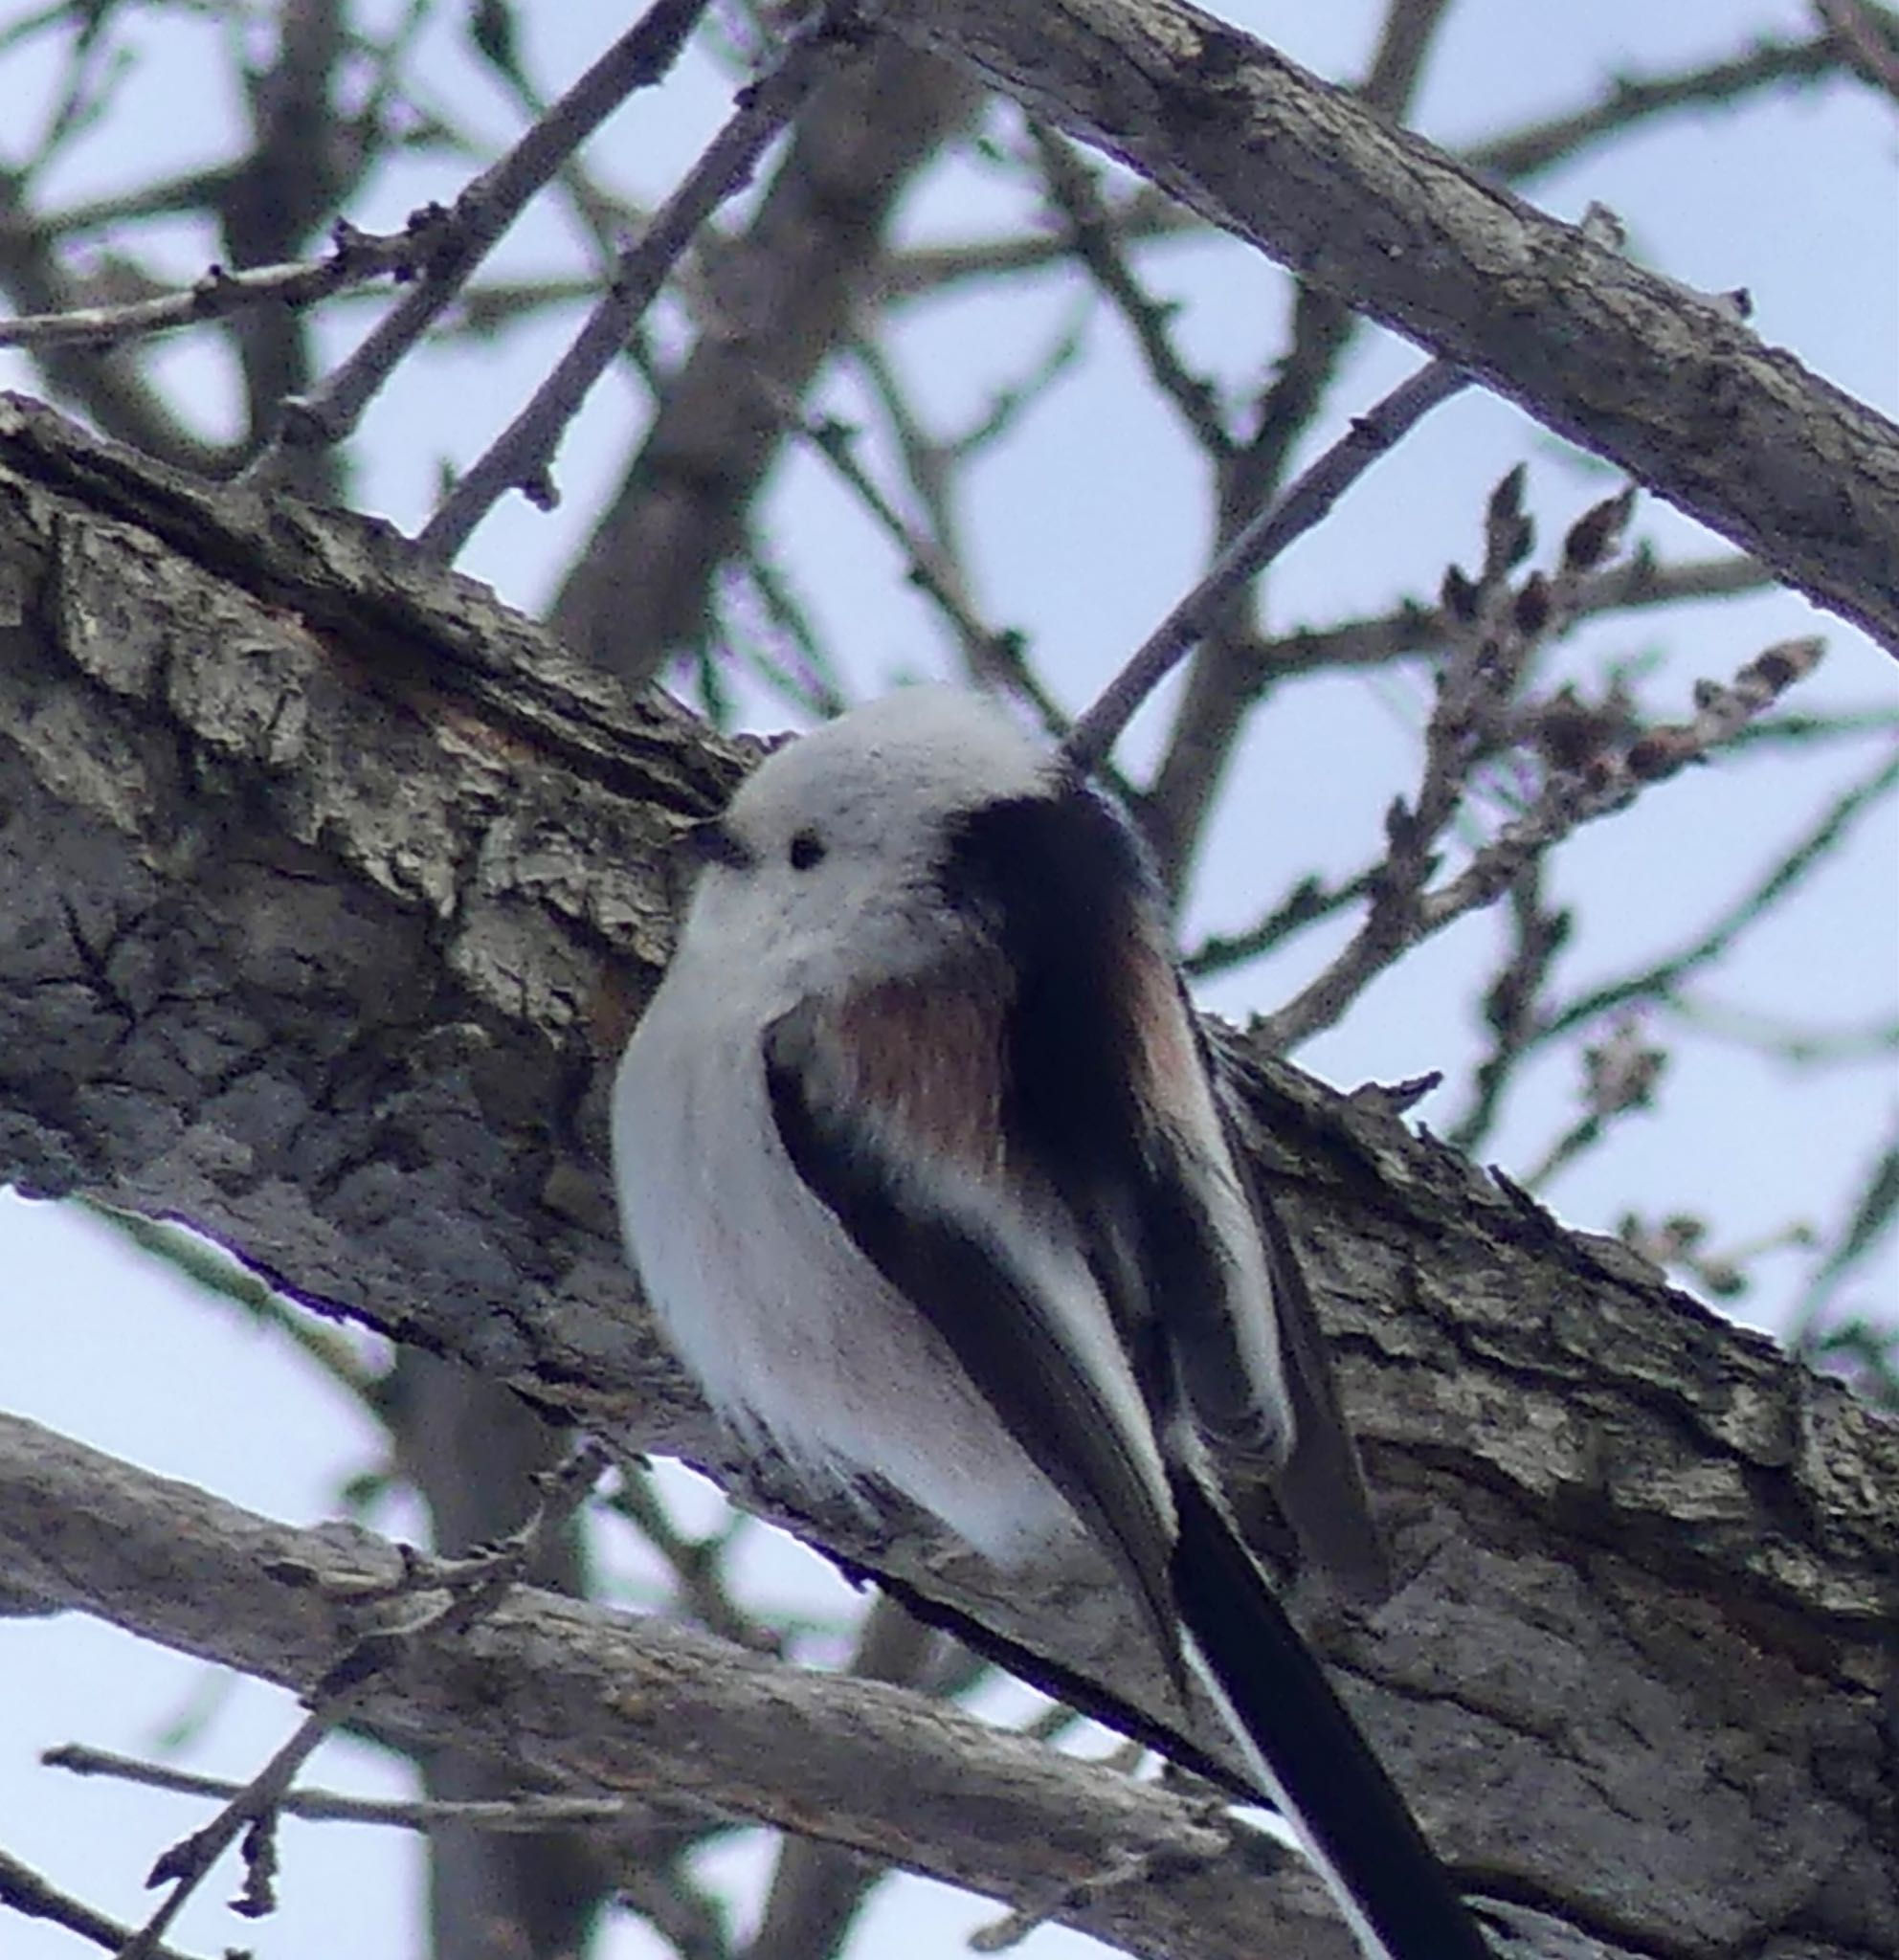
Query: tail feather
1305	1750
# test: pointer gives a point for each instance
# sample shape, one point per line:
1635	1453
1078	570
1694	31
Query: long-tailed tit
922	1167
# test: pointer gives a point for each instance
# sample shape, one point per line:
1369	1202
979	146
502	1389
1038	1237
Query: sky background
1084	531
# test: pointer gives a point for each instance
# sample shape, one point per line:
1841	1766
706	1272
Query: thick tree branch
583	1700
1625	362
331	890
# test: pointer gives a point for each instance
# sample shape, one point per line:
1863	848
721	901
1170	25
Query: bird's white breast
786	1328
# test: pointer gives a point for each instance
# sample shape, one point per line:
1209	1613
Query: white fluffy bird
922	1169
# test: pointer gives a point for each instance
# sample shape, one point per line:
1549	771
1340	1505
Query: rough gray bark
579	1698
331	888
1689	400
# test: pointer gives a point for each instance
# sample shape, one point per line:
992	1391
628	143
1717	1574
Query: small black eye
807	850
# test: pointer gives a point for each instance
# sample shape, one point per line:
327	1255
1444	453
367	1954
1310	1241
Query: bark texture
574	1697
331	888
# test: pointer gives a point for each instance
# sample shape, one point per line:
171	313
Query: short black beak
714	843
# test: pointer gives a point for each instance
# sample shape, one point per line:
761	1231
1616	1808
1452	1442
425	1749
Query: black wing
1111	1095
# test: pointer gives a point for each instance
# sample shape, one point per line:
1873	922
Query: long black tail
1315	1765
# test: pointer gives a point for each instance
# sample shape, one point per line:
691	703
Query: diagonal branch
582	1699
1618	358
482	213
276	797
1255	547
783	298
520	457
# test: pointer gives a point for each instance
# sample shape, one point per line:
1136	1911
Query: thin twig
1520	154
1622	1073
1874	1210
1305	504
1568	799
991	656
928	569
1663	975
475	1587
1095	242
1801	1044
1660	983
188	1863
519	457
1538	932
783	646
698	1565
1307	902
23	1891
486	209
357	258
528	1813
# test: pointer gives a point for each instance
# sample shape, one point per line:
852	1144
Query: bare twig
1094	240
1305	504
992	658
929	569
1404	912
1537	934
640	57
1620	1074
188	1863
527	1814
23	1891
475	1587
357	258
1808	731
1662	976
1802	1044
1126	1868
519	457
996	658
94	68
1009	403
1872	1219
1306	903
1660	983
698	1565
783	645
1520	154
